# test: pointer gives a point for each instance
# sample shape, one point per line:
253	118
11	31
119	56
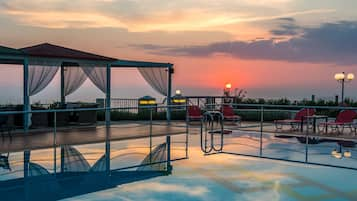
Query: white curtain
156	77
98	75
74	77
40	77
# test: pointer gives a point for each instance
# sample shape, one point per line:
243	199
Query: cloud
329	43
54	19
287	27
142	16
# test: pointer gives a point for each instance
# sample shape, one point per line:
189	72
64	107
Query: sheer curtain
156	77
40	77
98	75
74	77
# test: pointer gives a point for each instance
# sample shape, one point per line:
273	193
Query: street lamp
342	78
227	89
178	92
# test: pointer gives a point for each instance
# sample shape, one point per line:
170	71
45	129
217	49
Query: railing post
187	129
307	139
150	135
107	143
261	130
55	143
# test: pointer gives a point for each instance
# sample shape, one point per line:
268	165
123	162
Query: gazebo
41	63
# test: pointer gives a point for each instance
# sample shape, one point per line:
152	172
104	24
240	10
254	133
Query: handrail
88	109
288	106
208	122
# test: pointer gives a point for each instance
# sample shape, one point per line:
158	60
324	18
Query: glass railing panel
336	153
42	162
12	165
242	142
285	147
179	146
128	153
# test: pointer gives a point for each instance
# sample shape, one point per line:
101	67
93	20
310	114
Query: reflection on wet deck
36	139
271	129
70	170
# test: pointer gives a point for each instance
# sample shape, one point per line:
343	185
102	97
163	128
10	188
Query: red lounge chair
297	121
194	113
228	114
343	119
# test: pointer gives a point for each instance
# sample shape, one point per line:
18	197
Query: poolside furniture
194	113
4	162
297	121
229	115
5	126
344	119
314	119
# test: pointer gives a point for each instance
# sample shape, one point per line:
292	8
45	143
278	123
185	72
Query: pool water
206	177
232	177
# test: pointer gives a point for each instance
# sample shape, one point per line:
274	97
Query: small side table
314	118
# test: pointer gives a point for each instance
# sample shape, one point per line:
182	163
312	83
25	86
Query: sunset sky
271	48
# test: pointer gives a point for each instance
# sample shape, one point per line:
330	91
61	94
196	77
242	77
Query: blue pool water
200	177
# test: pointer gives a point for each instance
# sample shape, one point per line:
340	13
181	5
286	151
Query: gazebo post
26	116
168	97
168	117
63	102
63	97
107	97
107	120
26	96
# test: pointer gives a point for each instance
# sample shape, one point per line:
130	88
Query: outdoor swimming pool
200	177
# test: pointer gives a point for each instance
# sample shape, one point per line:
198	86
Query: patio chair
194	113
344	119
229	115
297	121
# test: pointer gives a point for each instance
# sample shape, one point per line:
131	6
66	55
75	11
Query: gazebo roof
10	51
130	63
47	50
10	55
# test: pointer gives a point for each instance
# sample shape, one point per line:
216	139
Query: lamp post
342	78
227	89
178	92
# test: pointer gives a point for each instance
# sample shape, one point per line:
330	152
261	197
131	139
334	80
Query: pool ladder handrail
208	130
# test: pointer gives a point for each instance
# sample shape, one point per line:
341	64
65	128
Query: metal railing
258	136
57	135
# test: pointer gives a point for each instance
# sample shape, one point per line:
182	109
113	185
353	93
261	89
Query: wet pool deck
45	138
269	128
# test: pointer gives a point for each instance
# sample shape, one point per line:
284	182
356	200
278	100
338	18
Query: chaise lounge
297	121
344	119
